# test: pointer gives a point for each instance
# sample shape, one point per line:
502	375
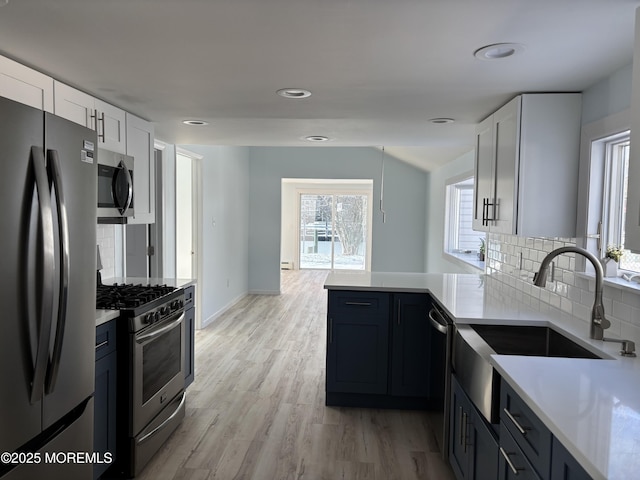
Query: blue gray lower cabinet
104	420
528	448
473	446
564	466
189	331
378	349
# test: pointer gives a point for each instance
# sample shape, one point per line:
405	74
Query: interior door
185	215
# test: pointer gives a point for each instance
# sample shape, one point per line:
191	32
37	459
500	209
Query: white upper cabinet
81	108
74	105
140	145
111	123
25	85
527	157
632	223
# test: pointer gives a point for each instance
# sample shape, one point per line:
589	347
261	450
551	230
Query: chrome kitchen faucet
598	321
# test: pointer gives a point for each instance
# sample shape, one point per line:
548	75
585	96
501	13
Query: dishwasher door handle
440	326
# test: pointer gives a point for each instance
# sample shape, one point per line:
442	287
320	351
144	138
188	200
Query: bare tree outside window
350	217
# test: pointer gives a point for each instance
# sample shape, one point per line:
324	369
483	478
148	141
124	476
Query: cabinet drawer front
189	296
512	462
105	339
357	303
532	436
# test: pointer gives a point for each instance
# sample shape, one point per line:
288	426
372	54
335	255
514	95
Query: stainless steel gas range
151	370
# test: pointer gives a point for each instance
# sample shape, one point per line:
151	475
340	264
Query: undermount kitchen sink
536	341
473	346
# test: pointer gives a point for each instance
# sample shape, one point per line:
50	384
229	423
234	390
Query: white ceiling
378	70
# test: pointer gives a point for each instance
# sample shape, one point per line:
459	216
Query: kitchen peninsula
591	406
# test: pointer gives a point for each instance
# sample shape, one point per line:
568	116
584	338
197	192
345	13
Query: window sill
614	282
465	260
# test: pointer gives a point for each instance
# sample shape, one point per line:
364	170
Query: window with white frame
460	238
611	155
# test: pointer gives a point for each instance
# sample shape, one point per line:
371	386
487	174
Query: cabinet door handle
330	330
465	422
102	344
103	134
513	468
358	304
485	206
399	310
461	435
512	417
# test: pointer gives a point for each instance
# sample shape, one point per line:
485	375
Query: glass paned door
351	231
333	231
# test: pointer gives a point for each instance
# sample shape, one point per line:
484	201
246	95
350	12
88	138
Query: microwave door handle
44	272
129	187
122	173
53	162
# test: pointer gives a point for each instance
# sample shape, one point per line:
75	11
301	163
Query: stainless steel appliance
48	293
151	368
443	328
115	187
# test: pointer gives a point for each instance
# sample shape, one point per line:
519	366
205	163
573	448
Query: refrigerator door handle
63	236
44	272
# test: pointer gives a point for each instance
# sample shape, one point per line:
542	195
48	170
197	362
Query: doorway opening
326	224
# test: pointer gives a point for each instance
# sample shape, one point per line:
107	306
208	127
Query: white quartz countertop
103	316
461	295
591	406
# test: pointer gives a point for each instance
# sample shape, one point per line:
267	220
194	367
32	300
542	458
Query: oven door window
160	362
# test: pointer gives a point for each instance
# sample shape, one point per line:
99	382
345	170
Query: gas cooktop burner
128	296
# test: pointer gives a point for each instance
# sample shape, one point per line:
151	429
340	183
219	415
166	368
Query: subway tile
621	311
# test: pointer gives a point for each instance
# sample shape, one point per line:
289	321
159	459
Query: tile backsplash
512	261
106	240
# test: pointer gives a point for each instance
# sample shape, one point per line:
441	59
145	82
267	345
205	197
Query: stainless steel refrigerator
47	266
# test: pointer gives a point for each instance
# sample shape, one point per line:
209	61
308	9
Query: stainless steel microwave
115	187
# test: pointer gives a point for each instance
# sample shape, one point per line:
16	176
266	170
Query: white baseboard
219	313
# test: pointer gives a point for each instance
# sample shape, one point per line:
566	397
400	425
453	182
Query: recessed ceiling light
442	120
498	51
195	123
293	93
317	138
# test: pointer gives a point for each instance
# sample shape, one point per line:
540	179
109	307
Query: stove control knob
156	317
148	318
176	304
164	310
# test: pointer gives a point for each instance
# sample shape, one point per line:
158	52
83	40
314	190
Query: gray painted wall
436	182
224	185
398	244
610	95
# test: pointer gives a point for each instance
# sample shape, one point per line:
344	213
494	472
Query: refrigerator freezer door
71	372
60	466
20	128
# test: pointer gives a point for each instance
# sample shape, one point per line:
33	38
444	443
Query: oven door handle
165	328
165	423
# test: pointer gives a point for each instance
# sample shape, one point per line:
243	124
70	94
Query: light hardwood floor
256	409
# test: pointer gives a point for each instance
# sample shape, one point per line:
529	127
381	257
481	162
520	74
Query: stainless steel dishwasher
442	343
